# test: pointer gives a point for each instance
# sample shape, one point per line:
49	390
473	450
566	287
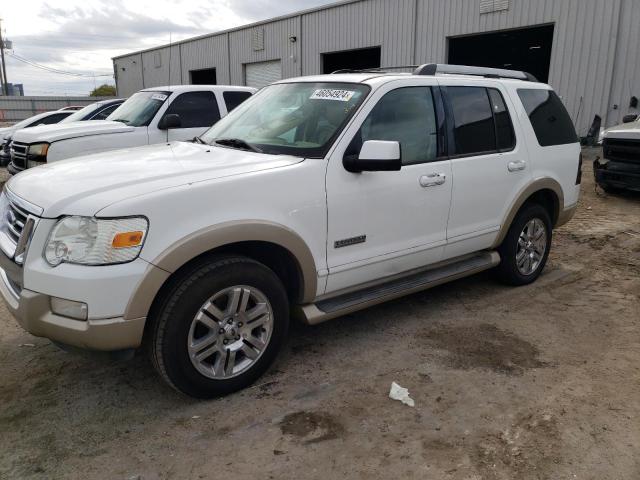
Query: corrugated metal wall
14	109
595	61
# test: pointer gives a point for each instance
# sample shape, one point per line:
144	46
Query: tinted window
549	118
196	109
504	128
104	113
55	118
405	115
474	130
233	99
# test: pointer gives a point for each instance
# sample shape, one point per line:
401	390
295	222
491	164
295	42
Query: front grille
621	150
19	155
15	219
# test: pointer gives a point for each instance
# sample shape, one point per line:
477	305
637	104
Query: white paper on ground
401	394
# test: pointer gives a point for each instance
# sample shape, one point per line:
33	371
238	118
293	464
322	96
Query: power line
55	70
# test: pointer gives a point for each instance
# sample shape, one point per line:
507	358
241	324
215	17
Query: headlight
37	154
95	241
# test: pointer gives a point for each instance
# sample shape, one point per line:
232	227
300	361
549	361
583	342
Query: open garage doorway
351	59
206	76
527	49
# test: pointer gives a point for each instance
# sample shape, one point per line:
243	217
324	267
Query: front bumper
12	169
33	312
617	175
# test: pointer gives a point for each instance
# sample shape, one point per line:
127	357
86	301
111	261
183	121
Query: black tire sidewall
185	301
508	271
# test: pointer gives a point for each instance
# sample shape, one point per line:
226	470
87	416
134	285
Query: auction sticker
159	96
332	94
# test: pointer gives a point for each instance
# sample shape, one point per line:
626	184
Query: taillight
579	176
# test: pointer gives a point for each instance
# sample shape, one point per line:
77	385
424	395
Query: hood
626	130
6	132
61	131
85	185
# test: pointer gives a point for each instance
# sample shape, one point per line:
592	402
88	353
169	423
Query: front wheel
220	327
525	249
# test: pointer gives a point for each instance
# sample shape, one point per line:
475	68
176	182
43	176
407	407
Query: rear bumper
566	215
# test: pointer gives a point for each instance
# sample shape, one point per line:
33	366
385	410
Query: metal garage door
261	74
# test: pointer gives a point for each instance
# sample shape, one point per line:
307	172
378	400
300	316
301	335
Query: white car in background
153	115
44	118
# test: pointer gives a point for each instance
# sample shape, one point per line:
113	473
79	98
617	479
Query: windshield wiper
237	143
121	120
199	140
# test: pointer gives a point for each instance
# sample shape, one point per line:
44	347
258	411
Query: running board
324	310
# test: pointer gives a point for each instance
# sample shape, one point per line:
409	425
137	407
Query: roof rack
434	68
373	69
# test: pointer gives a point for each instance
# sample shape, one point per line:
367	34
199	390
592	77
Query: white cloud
83	35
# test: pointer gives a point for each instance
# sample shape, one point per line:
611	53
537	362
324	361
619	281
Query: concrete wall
594	62
14	109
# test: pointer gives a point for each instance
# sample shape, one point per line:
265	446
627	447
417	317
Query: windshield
80	114
300	119
139	109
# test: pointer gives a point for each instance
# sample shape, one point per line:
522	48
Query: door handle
517	166
432	180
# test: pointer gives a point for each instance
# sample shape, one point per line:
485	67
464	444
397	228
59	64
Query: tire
511	271
192	349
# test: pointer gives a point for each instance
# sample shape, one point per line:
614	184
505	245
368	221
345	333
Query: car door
385	223
489	166
197	110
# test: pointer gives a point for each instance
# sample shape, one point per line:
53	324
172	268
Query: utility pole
5	85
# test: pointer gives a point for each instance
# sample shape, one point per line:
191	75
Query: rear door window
196	109
473	125
505	137
550	120
233	99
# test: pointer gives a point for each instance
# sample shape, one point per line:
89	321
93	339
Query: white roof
194	88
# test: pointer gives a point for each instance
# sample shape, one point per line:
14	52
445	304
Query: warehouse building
588	50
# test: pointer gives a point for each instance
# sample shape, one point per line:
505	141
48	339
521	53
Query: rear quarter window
550	120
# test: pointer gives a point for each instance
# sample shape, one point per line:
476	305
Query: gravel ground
539	382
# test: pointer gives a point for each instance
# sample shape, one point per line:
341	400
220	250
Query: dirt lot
540	382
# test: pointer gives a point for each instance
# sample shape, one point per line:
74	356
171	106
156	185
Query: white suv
154	115
317	197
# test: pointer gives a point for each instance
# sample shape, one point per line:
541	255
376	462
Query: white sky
82	35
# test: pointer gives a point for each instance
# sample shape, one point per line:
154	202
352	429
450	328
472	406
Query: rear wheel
525	249
220	327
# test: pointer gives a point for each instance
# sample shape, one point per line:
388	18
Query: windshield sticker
159	96
331	94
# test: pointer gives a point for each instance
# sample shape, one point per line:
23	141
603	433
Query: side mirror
375	156
632	117
171	120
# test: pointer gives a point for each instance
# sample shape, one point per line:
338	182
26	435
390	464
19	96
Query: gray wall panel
595	60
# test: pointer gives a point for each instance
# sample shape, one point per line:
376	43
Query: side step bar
327	309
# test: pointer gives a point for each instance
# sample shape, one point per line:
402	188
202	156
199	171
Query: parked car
629	121
72	108
95	111
150	116
45	118
317	197
619	169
